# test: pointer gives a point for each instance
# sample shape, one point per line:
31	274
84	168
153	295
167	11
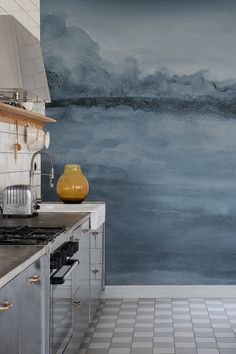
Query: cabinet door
9	317
34	307
96	268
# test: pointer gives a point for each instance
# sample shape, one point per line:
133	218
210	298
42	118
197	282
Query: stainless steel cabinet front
34	314
9	317
24	312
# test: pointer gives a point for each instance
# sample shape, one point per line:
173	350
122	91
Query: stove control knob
65	249
71	249
63	253
75	247
55	261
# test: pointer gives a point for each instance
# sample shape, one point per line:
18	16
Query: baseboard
170	291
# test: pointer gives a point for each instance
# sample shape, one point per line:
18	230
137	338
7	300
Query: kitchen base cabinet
24	311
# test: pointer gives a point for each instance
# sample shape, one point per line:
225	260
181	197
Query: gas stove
27	235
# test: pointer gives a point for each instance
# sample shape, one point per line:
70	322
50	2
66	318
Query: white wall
11	172
26	11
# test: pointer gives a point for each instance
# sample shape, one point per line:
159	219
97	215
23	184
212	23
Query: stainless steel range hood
22	72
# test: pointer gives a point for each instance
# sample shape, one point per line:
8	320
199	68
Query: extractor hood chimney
22	72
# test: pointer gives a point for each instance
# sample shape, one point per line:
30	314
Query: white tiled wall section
26	11
11	171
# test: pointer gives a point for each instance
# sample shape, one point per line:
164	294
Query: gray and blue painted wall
145	93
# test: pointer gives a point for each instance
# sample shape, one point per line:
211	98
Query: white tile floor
162	326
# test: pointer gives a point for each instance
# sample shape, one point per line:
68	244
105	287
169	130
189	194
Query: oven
62	267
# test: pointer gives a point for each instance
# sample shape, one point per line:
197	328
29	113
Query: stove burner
28	235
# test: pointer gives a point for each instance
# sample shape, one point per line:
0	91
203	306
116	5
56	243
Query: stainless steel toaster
19	200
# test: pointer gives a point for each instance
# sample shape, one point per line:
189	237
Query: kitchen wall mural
145	93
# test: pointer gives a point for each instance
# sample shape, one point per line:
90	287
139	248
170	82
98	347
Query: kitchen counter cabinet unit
29	312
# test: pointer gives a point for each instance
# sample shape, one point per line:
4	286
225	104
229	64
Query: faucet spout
31	172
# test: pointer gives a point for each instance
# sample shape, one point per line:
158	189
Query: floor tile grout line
154	317
95	327
173	324
195	340
211	325
115	324
228	321
134	325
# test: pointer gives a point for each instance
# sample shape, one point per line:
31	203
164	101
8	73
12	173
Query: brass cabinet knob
5	306
34	279
76	303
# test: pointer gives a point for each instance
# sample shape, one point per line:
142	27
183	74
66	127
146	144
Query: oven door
61	307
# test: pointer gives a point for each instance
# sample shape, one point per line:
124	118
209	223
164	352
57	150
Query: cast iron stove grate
28	235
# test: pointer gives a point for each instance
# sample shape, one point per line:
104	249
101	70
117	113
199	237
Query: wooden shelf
11	114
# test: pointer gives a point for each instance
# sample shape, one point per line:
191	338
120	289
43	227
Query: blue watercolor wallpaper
145	96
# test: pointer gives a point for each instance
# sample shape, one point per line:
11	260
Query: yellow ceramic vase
72	186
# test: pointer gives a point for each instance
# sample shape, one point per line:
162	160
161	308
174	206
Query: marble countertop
14	259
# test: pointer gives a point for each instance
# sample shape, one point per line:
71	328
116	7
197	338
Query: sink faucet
32	173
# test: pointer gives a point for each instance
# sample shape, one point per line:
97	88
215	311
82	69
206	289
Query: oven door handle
58	278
